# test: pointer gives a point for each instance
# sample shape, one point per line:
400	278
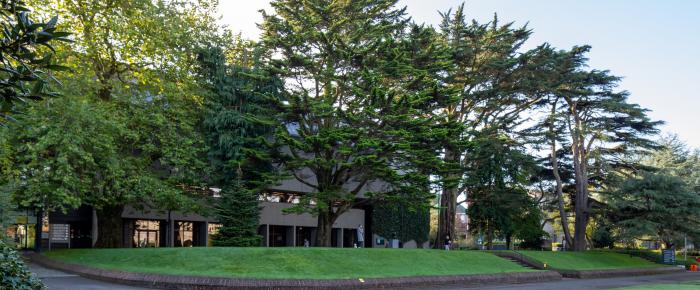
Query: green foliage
26	57
13	273
400	222
648	205
529	230
498	178
238	211
477	95
595	124
237	122
65	151
128	131
345	108
603	237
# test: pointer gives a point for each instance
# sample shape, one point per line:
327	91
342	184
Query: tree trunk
489	238
580	160
563	216
325	229
581	221
109	227
448	205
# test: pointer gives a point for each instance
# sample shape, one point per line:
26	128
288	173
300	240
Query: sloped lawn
589	260
290	263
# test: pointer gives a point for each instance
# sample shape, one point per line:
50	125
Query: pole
37	237
685	247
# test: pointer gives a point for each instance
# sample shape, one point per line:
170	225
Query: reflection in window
183	234
213	228
146	234
283	197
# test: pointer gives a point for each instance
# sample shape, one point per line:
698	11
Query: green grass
678	286
290	263
589	260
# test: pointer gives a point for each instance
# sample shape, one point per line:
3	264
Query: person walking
448	243
360	236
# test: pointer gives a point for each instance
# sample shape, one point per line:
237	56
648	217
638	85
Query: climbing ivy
400	222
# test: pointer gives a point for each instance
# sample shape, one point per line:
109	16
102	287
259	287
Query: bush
13	272
603	238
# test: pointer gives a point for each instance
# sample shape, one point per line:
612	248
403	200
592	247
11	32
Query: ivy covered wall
398	221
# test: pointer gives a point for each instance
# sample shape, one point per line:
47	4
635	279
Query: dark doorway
80	235
349	238
280	236
305	233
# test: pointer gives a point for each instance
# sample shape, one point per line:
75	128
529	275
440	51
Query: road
57	280
588	284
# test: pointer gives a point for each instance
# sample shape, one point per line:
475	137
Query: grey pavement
587	284
58	280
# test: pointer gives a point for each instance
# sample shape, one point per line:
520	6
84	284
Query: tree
136	60
596	124
659	197
488	82
236	127
499	173
343	112
26	56
657	205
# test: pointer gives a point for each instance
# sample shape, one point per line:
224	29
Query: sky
653	45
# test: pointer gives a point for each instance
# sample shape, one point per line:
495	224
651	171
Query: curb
588	274
201	283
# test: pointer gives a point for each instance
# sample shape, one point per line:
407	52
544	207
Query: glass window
184	234
146	234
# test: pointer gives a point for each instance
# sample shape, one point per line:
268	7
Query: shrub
13	272
603	238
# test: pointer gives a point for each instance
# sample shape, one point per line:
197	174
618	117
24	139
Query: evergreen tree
347	105
238	121
488	82
660	196
656	205
596	124
499	174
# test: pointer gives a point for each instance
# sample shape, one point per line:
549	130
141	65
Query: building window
183	234
146	234
213	228
283	197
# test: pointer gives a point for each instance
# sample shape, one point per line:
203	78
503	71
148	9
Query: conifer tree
236	125
348	105
597	125
660	196
489	81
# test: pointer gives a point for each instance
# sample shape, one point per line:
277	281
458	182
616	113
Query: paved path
587	284
58	280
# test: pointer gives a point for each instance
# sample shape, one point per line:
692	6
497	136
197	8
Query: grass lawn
589	260
291	263
680	286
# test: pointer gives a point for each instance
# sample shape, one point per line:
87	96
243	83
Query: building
148	227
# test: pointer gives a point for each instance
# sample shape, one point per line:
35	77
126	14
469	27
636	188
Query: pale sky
652	44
